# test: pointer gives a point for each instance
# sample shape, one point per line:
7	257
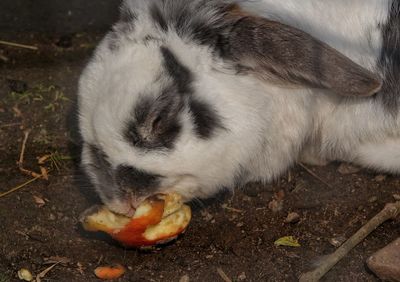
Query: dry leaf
57	259
44	272
44	172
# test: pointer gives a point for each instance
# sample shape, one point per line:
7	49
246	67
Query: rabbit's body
180	97
364	131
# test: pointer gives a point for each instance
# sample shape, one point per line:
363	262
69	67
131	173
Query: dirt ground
233	232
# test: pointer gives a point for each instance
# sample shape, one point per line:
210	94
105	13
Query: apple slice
157	220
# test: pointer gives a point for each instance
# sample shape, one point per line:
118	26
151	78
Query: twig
19	187
13	44
21	155
3	58
314	175
21	158
10	124
223	275
391	210
28	236
224	206
44	272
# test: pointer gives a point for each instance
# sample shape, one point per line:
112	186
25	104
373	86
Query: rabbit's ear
288	55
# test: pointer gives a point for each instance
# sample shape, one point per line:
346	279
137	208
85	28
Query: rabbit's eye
156	122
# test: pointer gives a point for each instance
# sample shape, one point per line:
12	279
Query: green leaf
287	241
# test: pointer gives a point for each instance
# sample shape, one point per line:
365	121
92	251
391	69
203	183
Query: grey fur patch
142	183
390	61
158	17
101	167
127	15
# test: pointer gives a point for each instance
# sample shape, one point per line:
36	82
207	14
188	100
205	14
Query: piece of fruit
109	272
157	220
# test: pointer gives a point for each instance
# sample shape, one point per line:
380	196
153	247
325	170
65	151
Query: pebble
242	276
373	199
275	206
346	168
292	217
385	263
184	278
65	41
337	241
17	86
380	178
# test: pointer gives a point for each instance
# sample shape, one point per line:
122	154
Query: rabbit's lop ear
287	55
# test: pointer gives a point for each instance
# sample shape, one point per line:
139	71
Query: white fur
267	126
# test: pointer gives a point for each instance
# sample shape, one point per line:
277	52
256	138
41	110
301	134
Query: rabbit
191	96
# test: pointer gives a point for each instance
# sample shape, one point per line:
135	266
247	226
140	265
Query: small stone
373	199
65	41
337	241
206	215
292	217
380	178
39	201
385	263
25	274
396	197
346	168
275	206
242	276
17	86
184	278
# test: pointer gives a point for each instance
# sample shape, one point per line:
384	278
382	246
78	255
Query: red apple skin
132	234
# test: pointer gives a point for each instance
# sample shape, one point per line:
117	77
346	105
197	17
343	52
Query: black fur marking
390	61
155	124
181	75
205	118
101	168
139	181
158	17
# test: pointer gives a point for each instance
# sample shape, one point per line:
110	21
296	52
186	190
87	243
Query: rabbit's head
171	98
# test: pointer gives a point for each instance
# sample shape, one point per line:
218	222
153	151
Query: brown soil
235	233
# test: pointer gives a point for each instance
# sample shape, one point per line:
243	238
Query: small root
314	175
223	275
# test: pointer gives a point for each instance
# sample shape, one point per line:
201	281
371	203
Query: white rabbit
193	96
